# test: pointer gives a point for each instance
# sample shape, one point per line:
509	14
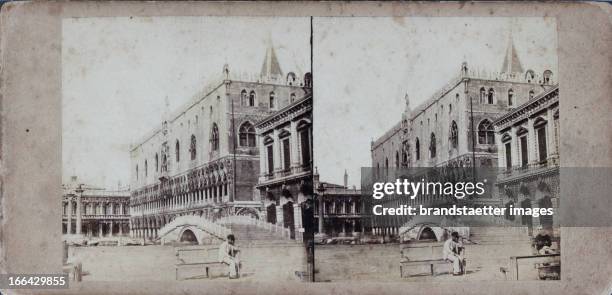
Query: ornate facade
454	128
94	213
285	179
340	210
204	159
528	147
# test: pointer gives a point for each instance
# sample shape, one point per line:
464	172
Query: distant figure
452	252
228	253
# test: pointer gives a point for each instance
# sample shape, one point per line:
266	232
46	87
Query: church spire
271	67
512	64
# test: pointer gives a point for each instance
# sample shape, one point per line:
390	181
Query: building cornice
286	114
523	111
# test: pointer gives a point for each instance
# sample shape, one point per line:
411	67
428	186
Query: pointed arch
483	93
491	96
432	145
486	133
272	100
244	99
193	147
454	135
246	135
417	147
252	98
177	151
214	137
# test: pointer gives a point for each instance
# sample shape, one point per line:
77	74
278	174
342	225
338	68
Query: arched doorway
427	234
188	237
526	219
546	221
271	213
288	221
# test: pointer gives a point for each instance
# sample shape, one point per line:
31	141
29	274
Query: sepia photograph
454	96
302	147
187	148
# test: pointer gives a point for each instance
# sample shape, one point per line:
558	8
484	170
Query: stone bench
423	254
203	260
404	264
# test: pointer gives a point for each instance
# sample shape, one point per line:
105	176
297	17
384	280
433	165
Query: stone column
297	216
100	225
515	147
279	216
294	142
69	214
78	213
501	150
321	212
278	166
550	134
263	157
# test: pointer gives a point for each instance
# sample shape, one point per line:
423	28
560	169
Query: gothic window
177	151
292	97
136	172
417	145
214	137
450	108
432	146
531	94
529	75
397	160
486	134
405	151
305	143
454	135
244	100
156	163
290	78
308	80
386	163
270	154
192	147
146	168
272	105
510	97
524	154
490	96
540	129
507	140
547	76
482	95
286	153
252	99
246	135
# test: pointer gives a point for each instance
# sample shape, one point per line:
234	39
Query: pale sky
363	67
118	71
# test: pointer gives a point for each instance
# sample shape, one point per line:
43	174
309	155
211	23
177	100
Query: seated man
452	252
228	253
